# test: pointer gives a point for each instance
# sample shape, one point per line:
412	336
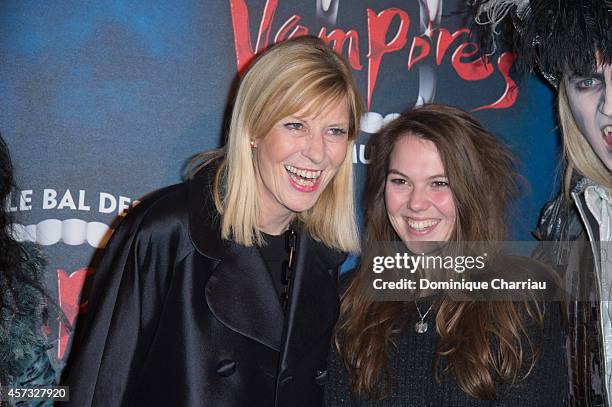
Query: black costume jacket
180	317
572	255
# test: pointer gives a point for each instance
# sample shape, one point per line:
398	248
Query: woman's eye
440	184
398	181
337	131
294	126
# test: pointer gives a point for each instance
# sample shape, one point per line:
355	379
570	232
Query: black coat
179	317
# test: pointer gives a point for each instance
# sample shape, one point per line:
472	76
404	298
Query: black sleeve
125	303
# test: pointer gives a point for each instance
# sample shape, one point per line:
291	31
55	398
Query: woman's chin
299	207
423	247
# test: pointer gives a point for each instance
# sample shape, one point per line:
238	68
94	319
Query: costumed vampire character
570	43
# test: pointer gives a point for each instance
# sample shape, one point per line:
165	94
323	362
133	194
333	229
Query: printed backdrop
103	102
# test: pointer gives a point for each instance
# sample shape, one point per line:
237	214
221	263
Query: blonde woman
222	291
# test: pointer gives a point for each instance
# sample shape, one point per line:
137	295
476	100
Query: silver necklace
421	326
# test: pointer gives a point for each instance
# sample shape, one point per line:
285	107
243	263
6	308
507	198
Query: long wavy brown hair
482	179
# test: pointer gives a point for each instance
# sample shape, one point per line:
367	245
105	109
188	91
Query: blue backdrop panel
103	102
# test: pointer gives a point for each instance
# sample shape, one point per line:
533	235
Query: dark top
413	383
274	255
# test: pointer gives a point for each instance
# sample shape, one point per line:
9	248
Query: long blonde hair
291	76
577	150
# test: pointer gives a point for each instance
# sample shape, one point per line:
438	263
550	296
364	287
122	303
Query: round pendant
420	327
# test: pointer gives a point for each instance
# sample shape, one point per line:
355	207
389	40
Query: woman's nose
418	199
315	148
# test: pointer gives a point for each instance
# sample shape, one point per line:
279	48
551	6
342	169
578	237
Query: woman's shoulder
178	215
178	202
170	201
158	212
160	220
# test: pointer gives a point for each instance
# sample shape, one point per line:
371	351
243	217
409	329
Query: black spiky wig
556	36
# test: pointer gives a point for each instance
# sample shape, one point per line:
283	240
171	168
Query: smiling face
590	100
419	201
296	160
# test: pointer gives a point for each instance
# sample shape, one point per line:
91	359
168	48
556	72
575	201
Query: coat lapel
240	292
314	300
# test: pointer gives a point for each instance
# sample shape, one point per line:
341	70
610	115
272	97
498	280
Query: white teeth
72	232
607	130
48	232
309	175
302	181
422	224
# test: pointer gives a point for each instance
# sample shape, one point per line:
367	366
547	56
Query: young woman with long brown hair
437	175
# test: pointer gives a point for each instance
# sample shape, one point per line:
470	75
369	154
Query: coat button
226	367
320	377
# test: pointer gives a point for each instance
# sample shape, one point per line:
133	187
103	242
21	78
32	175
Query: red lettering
290	29
69	291
242	39
424	47
445	38
507	99
339	37
475	70
378	25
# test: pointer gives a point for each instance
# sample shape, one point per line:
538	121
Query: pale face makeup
418	198
296	160
590	100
